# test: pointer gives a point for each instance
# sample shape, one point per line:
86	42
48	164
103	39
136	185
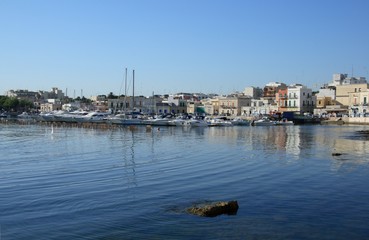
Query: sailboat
128	117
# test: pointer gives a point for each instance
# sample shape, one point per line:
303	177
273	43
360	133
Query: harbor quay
113	122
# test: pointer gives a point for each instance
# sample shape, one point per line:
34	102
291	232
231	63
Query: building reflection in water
297	142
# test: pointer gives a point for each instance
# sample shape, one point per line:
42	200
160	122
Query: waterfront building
300	99
343	92
260	106
163	108
146	105
178	104
358	103
100	103
231	105
282	99
326	102
327	92
271	89
195	107
51	105
296	98
211	106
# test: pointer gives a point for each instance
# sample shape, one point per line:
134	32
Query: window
365	100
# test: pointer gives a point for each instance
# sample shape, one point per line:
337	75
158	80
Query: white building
300	99
343	79
260	106
326	93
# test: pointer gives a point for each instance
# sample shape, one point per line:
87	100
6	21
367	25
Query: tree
10	103
13	104
112	96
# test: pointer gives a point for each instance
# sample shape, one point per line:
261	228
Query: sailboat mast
133	86
125	92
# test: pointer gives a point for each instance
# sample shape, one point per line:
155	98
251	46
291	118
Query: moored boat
240	122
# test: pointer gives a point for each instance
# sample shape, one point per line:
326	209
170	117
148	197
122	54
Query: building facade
231	105
343	92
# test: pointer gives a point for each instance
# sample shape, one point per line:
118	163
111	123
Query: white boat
284	122
25	116
218	122
268	122
197	122
240	122
93	117
180	121
263	122
126	119
69	117
160	120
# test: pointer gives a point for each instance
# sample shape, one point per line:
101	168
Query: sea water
136	183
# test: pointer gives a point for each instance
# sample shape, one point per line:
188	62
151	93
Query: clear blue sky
209	46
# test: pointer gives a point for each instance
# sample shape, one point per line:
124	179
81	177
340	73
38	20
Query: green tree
112	96
13	104
10	103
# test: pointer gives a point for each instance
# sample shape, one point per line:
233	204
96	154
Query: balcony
293	97
228	107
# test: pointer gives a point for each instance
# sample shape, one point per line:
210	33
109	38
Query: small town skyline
80	92
344	96
190	46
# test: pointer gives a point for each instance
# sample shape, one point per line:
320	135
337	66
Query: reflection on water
60	183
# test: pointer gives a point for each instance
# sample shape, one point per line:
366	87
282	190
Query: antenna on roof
352	70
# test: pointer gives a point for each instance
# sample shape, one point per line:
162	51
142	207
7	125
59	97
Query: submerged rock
336	154
214	209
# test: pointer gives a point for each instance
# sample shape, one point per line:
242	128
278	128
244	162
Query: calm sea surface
78	183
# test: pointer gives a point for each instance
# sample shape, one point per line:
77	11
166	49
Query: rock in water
214	209
336	154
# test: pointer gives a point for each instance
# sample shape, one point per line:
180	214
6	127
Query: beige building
232	105
141	104
50	106
211	106
343	93
194	107
358	103
323	102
